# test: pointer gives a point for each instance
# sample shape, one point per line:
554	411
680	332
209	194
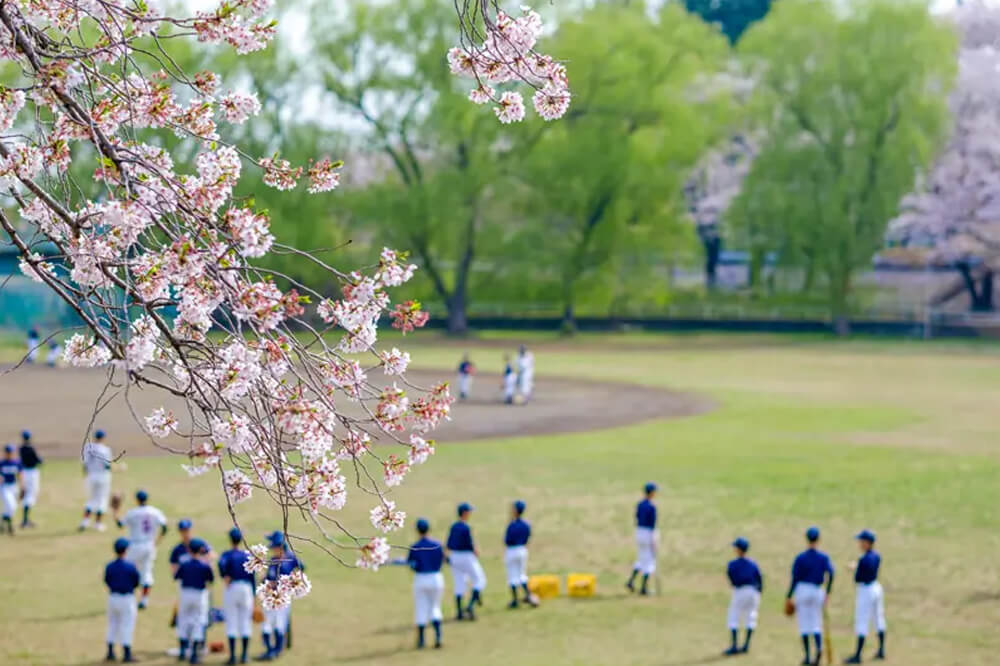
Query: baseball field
747	435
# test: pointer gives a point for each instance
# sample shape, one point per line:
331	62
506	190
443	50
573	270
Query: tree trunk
981	295
809	278
568	326
458	320
986	292
713	248
840	287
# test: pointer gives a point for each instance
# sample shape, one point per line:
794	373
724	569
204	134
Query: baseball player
465	372
52	358
812	580
195	575
426	558
516	557
646	538
122	578
181	553
464	559
97	468
146	528
525	372
31	476
868	600
276	620
237	600
34	342
509	381
10	479
747	584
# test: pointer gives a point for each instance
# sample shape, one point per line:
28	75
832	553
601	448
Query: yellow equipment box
581	585
544	587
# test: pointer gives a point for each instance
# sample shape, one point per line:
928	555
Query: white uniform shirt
97	459
143	523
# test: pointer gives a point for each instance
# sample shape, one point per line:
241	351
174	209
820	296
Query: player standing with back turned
31	476
645	540
812	580
146	528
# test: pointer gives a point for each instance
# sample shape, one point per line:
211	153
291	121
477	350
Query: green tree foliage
856	104
732	16
603	187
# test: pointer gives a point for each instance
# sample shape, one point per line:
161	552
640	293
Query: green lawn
902	438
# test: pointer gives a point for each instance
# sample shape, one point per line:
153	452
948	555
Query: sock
26	510
232	647
127	650
819	642
279	641
746	643
111	650
527	592
437	631
735	634
97	517
420	635
267	641
513	594
243	648
861	645
475	599
184	647
881	642
805	645
645	581
631	579
195	649
458	602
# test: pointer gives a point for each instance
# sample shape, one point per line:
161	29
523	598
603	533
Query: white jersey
143	523
97	459
526	363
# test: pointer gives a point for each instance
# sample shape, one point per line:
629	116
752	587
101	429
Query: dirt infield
57	406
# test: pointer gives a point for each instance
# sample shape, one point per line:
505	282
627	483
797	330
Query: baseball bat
827	639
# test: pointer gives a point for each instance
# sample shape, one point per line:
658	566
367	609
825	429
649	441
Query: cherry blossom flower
385	518
373	554
238	107
83	352
394	362
238	485
259	559
394	470
510	108
420	449
408	316
161	422
323	176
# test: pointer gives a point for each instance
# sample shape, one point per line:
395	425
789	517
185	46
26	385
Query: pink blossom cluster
373	554
507	56
386	518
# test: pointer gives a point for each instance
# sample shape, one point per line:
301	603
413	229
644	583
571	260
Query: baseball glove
216	647
258	614
116	501
789	607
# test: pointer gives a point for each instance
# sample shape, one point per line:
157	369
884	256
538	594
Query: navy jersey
460	537
231	566
811	566
194	574
284	565
465	368
29	457
743	571
426	556
645	514
121	576
9	469
867	571
180	553
518	533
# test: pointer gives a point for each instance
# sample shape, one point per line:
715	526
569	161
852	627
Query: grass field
902	438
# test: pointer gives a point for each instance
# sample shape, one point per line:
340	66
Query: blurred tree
845	139
732	16
605	185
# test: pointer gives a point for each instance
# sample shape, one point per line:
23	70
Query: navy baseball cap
742	544
519	506
121	545
463	507
649	487
276	539
184	524
8	448
423	526
235	534
198	546
25	435
812	533
866	535
142	496
98	434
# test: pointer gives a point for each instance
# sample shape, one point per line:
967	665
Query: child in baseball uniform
237	600
465	372
122	578
812	580
52	358
426	558
869	602
275	625
97	469
31	476
146	528
747	583
509	381
195	576
525	372
464	559
645	540
516	557
34	344
10	489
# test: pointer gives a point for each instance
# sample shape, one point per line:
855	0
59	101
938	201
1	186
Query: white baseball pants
466	571
526	383
809	600
869	602
645	542
192	614
276	620
516	562
98	492
32	480
427	591
237	606
9	493
142	555
464	384
121	618
743	607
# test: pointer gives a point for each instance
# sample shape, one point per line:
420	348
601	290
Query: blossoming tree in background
160	267
956	208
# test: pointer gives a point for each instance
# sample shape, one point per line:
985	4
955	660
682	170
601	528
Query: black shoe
818	660
129	660
643	592
630	586
853	660
470	613
512	604
460	616
744	649
879	656
109	657
806	662
231	661
267	656
420	645
437	645
732	651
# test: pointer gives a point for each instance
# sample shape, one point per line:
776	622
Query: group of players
518	382
808	592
